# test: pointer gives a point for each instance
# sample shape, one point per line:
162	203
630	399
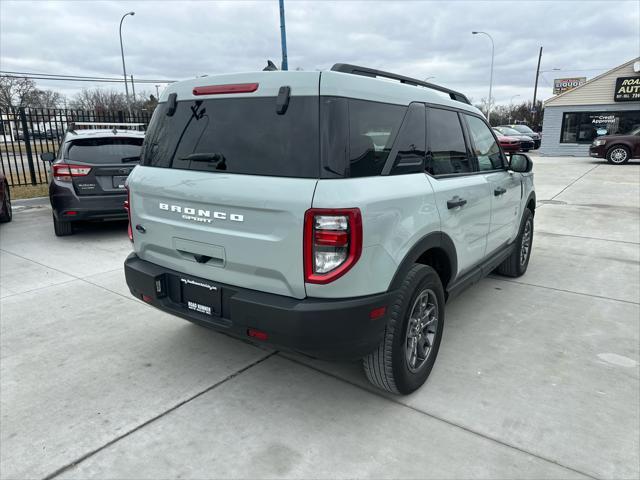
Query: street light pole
490	75
283	38
124	68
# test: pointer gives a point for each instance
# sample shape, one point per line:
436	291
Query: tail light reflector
127	207
66	171
332	243
257	334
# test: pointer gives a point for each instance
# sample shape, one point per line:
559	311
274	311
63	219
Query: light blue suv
331	213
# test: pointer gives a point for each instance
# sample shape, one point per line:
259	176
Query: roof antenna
270	67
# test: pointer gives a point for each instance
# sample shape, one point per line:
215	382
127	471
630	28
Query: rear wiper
215	158
130	159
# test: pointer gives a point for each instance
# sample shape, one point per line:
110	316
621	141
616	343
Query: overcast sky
177	40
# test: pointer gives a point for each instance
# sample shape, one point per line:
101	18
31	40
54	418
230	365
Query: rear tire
62	229
402	363
516	264
7	212
618	154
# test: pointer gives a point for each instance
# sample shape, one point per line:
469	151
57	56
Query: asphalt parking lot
537	377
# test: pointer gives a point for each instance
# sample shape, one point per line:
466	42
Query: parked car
88	176
330	213
508	144
526	130
6	213
617	149
526	142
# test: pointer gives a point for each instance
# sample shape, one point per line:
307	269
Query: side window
485	147
411	142
373	128
447	150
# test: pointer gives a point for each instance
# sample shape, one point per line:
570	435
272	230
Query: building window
583	127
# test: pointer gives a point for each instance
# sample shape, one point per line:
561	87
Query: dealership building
605	105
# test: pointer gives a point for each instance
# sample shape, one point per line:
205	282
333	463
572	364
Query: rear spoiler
370	72
94	125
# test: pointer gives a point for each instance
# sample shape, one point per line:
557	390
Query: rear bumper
324	328
87	207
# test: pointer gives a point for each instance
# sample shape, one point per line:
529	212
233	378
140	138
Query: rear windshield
522	129
237	135
105	150
316	137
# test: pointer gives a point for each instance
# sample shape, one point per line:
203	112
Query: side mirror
47	157
520	163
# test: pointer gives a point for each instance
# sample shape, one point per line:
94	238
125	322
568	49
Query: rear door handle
456	202
499	191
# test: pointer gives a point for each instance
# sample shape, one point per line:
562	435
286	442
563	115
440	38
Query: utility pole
535	91
133	89
157	91
283	38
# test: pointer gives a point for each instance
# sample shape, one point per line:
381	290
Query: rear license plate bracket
201	296
119	181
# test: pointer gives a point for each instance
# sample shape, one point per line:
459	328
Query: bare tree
46	99
15	91
100	100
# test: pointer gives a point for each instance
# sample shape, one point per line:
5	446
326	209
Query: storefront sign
627	89
561	85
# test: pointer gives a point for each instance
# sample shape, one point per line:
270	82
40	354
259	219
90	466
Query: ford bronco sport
331	213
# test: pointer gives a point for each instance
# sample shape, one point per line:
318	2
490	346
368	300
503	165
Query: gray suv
331	213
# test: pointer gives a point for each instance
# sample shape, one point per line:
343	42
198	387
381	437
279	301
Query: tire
516	264
618	154
388	367
62	229
6	214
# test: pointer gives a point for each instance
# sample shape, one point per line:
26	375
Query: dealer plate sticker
198	307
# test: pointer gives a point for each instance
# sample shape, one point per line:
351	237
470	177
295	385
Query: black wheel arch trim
432	240
532	196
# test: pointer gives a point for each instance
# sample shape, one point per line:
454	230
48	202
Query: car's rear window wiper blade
215	158
130	159
204	157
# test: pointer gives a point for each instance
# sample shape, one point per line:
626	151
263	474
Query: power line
74	78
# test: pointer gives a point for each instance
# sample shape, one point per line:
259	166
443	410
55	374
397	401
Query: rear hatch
228	171
105	162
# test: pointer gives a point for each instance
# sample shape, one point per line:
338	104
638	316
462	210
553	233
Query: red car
5	198
508	144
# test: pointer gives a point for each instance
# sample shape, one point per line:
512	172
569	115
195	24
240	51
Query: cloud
177	40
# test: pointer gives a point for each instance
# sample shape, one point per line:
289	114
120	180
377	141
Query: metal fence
25	133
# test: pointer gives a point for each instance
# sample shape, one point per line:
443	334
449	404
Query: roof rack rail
371	72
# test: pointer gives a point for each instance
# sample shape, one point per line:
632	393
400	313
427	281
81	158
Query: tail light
127	207
332	243
66	171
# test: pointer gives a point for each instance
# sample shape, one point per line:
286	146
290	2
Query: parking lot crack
590	295
444	420
90	454
575	181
